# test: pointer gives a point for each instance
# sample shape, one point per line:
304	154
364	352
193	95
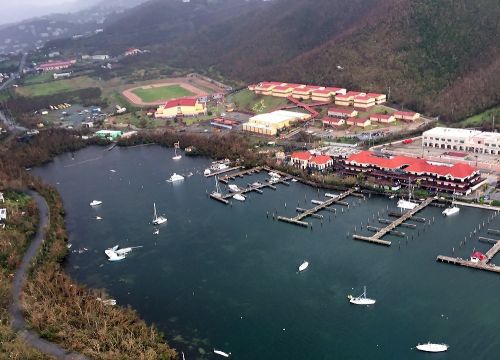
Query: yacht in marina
177	156
233	188
452	209
239	197
157	220
361	299
95	203
430	347
175	177
303	266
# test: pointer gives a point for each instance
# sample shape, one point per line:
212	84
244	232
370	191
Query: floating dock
223	171
225	179
480	265
224	198
376	238
297	220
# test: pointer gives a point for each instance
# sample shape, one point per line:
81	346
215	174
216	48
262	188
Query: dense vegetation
56	307
440	57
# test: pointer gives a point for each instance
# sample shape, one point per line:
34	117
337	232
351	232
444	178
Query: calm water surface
225	277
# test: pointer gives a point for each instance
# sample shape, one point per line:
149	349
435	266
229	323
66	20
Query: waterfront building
342	113
382	118
180	107
300	159
270	123
462	140
459	178
321	162
406	115
304	160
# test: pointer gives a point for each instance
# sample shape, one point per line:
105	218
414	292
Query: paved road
18	322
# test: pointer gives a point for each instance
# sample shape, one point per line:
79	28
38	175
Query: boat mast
154	207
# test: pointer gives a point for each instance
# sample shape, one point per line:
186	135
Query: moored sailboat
361	299
157	220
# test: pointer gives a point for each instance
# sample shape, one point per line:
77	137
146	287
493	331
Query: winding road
18	322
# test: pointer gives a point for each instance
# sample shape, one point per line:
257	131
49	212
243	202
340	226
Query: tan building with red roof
342	112
344	100
321	162
304	91
406	115
300	159
382	118
180	107
364	102
326	94
283	91
360	122
379	98
331	121
304	160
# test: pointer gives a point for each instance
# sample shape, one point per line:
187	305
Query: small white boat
406	205
156	232
123	252
239	197
317	202
392	196
333	196
257	183
294	180
274	175
222	353
430	347
177	156
452	210
176	177
113	171
95	202
98	218
207	172
158	220
361	299
112	256
233	188
303	266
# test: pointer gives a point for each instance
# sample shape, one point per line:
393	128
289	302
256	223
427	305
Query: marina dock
223	171
297	220
376	238
224	198
225	179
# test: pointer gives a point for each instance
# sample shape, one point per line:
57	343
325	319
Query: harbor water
225	276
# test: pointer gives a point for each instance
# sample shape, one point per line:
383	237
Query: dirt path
18	322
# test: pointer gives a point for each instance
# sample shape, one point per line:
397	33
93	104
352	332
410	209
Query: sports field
152	94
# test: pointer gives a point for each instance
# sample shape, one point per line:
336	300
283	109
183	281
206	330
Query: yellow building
283	91
270	123
180	107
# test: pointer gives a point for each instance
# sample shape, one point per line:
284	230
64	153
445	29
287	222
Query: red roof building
56	65
321	162
301	159
344	100
379	98
180	102
329	121
459	178
382	118
364	101
360	122
342	112
406	115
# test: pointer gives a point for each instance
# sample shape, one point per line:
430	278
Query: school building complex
271	123
180	107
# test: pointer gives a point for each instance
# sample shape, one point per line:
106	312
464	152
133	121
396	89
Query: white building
462	140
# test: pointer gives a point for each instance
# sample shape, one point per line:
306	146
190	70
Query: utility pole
388	94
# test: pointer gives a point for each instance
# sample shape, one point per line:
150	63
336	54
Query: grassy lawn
56	87
162	93
248	100
37	79
479	119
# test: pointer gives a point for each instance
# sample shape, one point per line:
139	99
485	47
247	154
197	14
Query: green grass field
248	100
56	87
162	93
37	79
480	119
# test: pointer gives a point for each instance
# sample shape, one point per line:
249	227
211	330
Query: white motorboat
452	210
207	172
272	174
333	196
158	220
317	202
222	353
98	218
239	197
95	203
361	299
406	205
294	180
233	188
115	257
257	183
430	347
303	266
175	177
156	232
177	156
392	196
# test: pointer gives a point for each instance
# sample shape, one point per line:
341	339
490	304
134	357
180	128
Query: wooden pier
387	221
487	240
481	265
376	238
225	179
398	214
494	231
222	171
297	220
